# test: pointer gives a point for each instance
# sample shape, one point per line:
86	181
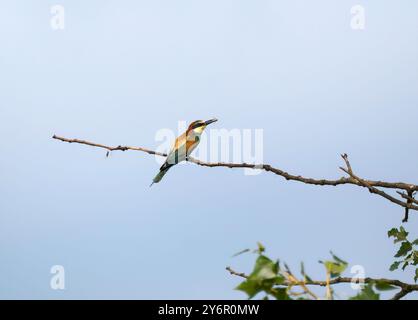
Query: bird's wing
178	153
191	145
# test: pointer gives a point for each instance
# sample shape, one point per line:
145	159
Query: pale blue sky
121	70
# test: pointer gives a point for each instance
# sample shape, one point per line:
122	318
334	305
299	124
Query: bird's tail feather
160	174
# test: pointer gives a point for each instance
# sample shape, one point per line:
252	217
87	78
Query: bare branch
393	282
408	197
401	294
372	185
320	182
373	189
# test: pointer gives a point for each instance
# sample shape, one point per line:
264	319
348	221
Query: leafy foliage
277	281
407	252
264	276
273	281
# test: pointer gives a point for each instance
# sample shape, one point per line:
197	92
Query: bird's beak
210	121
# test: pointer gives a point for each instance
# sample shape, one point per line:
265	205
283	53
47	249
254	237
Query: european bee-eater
183	147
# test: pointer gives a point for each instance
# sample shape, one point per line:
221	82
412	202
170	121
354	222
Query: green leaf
264	269
392	232
402	233
303	273
263	277
280	294
415	259
416	275
410	257
383	286
404	249
287	267
398	235
395	265
415	242
338	259
335	268
260	248
279	279
251	288
367	294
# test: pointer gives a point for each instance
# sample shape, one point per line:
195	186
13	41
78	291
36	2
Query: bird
183	147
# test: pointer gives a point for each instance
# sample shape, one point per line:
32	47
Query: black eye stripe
197	125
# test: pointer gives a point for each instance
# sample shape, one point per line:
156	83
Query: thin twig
410	199
118	148
293	280
238	274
